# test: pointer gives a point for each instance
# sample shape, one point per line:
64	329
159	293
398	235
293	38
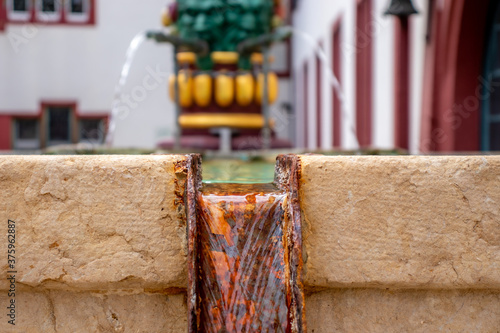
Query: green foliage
223	24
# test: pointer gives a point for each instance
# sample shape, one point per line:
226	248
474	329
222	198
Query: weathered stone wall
395	311
391	244
405	222
85	312
94	223
423	233
100	243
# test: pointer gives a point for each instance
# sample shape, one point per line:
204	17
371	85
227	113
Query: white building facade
62	67
359	48
425	85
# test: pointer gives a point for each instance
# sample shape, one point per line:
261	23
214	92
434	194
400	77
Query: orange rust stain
241	259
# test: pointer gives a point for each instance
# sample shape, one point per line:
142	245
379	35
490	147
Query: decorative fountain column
222	86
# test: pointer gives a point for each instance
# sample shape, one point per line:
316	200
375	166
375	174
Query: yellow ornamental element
210	120
245	89
166	19
188	58
185	88
272	88
171	91
202	90
225	58
224	90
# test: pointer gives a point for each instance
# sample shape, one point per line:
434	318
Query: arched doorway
490	122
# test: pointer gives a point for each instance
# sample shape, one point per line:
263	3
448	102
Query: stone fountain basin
391	244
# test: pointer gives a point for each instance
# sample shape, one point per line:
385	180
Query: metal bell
401	8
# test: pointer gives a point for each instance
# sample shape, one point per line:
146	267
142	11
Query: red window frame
7	121
5	132
402	81
3	16
64	17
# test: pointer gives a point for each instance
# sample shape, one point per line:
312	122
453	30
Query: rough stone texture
373	310
93	222
101	246
71	312
401	222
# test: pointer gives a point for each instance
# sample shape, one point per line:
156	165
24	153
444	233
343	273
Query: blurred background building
61	61
451	102
427	82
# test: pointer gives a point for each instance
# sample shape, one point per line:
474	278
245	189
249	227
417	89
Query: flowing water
129	58
241	259
237	171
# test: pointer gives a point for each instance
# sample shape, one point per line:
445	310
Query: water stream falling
334	82
241	257
129	58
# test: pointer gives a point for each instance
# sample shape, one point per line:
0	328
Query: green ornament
223	24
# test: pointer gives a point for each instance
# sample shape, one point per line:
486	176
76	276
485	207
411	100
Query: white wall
84	63
417	59
348	45
383	76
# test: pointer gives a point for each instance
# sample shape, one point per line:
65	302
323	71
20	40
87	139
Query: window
18	10
59	124
76	7
491	105
26	134
51	11
77	11
20	6
48	11
92	131
48	6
